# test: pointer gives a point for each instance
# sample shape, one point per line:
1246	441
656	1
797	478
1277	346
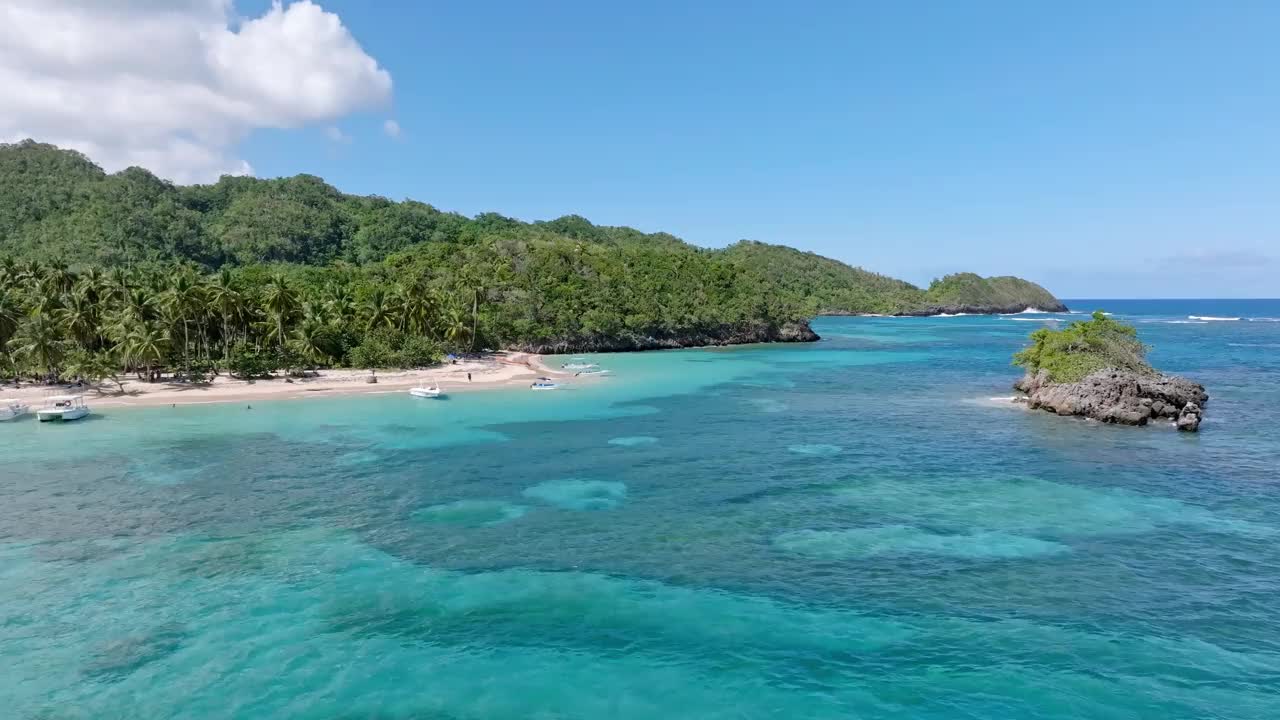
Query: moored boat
543	384
63	408
13	409
432	391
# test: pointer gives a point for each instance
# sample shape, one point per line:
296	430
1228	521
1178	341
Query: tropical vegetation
123	273
1083	347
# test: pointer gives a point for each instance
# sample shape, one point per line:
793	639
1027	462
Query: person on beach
468	377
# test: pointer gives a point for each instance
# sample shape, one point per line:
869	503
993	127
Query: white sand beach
499	370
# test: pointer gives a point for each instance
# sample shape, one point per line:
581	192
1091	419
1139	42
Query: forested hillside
317	276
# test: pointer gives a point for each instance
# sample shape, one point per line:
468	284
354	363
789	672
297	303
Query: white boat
63	407
13	409
579	366
543	384
427	392
594	371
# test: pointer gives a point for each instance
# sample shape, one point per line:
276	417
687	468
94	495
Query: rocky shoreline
1122	397
931	310
942	310
793	332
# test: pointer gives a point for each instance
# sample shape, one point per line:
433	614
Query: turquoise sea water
858	528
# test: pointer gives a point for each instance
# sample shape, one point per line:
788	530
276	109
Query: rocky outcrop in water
1120	396
788	332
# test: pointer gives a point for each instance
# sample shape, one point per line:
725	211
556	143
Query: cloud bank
174	85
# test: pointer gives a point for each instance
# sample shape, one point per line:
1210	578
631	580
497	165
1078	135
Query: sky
1102	149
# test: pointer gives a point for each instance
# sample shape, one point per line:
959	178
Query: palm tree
281	302
8	368
140	303
377	310
340	302
119	283
455	327
145	345
317	312
48	296
31	271
228	303
92	283
306	340
79	315
10	315
183	301
9	274
417	307
61	276
39	341
475	314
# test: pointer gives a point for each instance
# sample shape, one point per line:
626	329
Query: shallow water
847	529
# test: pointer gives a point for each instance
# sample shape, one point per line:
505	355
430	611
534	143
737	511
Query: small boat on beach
578	363
13	409
594	371
544	384
63	408
433	391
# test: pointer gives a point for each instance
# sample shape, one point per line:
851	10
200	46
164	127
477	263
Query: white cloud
174	85
392	129
336	135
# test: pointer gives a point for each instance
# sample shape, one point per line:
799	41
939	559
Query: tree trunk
475	312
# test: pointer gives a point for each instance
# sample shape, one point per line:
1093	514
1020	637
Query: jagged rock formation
1124	397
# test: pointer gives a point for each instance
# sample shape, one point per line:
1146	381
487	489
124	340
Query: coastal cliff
798	331
1097	369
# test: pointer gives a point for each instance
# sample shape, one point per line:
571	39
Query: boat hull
61	415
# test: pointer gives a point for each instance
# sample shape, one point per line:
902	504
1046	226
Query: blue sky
1100	148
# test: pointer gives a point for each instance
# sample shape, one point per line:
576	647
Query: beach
493	371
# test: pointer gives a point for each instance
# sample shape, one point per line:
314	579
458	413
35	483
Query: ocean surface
858	528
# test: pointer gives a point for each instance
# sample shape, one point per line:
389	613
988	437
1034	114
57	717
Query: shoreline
498	371
955	311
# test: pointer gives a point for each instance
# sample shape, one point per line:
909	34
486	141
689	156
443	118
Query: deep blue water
858	528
